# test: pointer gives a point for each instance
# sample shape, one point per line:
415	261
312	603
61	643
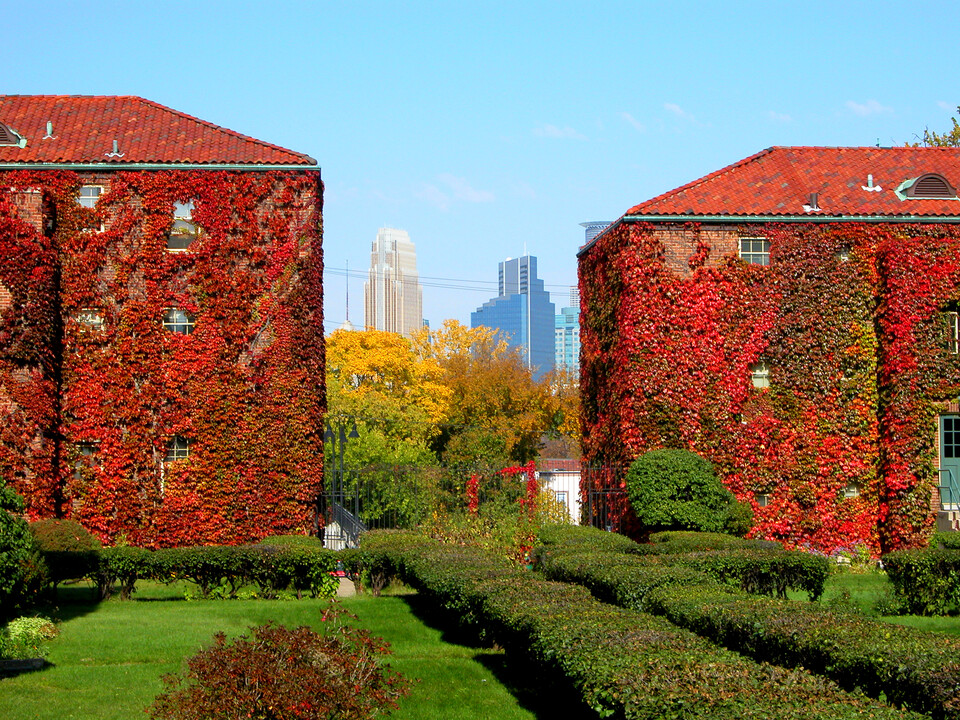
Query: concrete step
948	520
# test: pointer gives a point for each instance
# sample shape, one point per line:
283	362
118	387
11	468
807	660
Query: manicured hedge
679	541
946	540
623	663
926	581
916	669
754	565
218	570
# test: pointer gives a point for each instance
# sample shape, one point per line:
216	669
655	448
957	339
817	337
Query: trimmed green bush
926	581
623	663
913	668
679	490
682	541
26	638
23	573
945	540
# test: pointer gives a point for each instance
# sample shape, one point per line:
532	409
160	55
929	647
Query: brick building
161	338
792	317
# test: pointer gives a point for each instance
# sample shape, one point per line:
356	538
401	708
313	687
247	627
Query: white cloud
870	107
637	125
552	131
780	117
462	190
433	196
450	188
678	111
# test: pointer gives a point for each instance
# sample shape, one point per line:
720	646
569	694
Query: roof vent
931	185
813	203
8	136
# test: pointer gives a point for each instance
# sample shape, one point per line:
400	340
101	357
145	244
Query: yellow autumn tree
497	412
376	380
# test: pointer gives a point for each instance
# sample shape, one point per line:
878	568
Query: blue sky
486	128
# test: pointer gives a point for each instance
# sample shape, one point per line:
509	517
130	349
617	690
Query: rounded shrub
62	536
679	490
284	674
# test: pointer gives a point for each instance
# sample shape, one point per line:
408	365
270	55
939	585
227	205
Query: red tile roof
779	181
85	128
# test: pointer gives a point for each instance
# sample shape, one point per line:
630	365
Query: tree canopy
456	394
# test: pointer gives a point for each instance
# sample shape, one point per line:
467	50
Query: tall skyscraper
567	334
522	313
392	297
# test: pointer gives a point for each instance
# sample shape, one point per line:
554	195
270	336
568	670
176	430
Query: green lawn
861	591
108	660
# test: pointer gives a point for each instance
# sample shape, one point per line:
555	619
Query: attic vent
931	185
9	137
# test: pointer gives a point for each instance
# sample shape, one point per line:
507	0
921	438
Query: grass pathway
109	658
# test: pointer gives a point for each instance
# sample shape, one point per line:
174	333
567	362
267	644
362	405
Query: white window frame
183	229
91	319
953	342
760	375
752	256
178	448
178	321
90	203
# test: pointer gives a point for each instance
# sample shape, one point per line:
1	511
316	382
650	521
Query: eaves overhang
116	166
742	219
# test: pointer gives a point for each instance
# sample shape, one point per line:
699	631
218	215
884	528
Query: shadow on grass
538	690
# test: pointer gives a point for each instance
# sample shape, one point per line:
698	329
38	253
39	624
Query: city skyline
478	127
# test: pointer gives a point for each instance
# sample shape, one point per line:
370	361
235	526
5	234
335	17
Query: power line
485	285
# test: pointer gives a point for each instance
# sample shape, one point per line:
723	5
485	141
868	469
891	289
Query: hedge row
926	581
623	663
216	570
947	540
757	566
911	668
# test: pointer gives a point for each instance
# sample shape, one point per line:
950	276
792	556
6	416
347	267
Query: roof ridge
209	124
703	179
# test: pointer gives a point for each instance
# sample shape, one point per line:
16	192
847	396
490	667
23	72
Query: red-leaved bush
276	673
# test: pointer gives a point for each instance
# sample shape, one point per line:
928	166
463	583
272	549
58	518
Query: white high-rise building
392	297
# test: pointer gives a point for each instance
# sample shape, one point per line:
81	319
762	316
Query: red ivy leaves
245	387
858	369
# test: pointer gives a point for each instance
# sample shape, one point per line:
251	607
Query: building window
178	321
762	499
760	375
561	496
90	319
88	198
755	251
953	331
177	449
843	254
184	230
851	491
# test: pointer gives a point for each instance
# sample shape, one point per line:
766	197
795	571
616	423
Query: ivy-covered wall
87	411
848	318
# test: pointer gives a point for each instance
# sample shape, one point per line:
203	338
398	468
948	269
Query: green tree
950	138
492	394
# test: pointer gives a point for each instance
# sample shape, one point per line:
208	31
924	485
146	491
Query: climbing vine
95	388
848	321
